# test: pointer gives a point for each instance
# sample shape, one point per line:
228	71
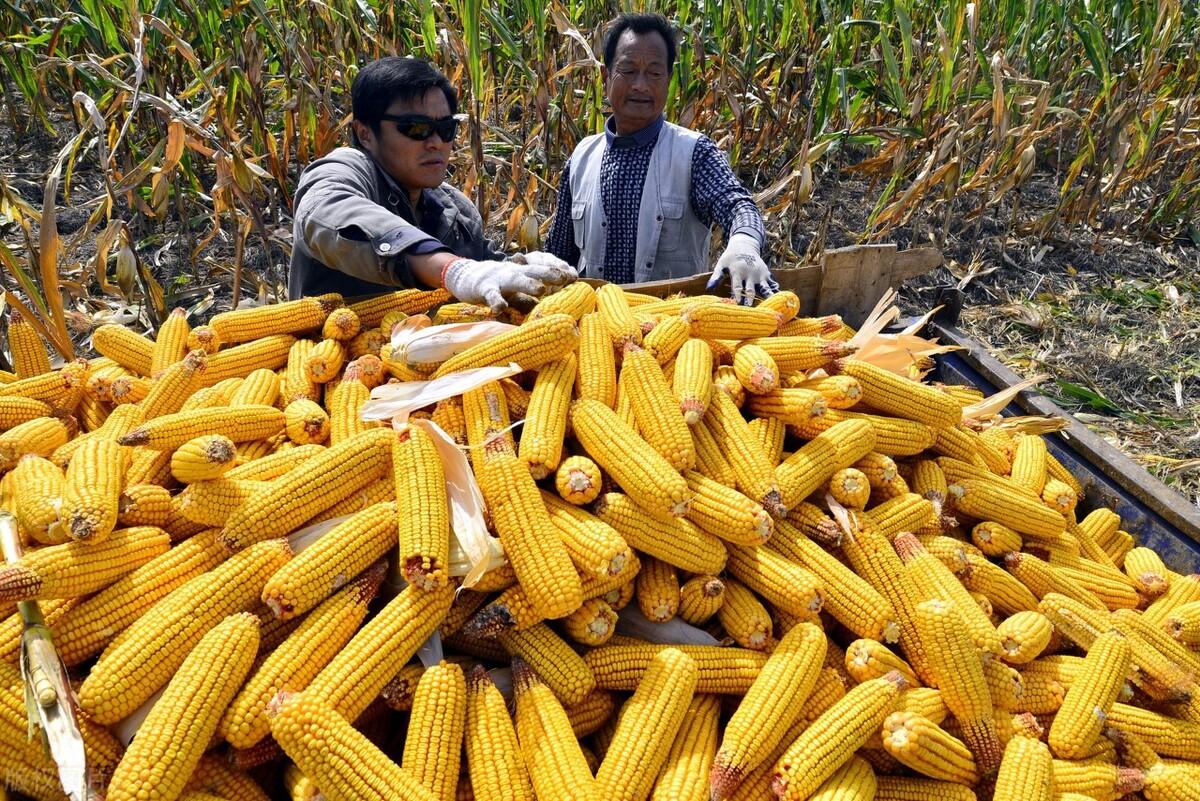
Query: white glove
748	273
495	282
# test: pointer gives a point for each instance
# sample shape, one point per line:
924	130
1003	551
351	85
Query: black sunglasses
421	126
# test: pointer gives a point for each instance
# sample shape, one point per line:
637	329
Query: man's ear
364	133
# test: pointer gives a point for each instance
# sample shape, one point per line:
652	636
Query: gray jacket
352	221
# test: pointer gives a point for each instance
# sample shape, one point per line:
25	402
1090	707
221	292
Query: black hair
392	78
639	24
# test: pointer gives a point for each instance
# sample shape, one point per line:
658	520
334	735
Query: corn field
199	115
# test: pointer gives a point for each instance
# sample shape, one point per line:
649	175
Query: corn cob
754	473
1095	780
353	678
531	345
722	670
313	486
560	668
987	500
756	369
796	353
1184	623
613	309
1026	772
597	373
692	384
648	478
1147	571
577	480
92	491
994	539
556	764
371	312
922	745
729	321
244	325
205	457
893	436
958	672
657	590
28	351
699	599
770	434
260	388
839	391
665	340
1131	623
176	384
268	352
211	503
421	485
644	733
771	706
16	409
212	775
435	732
868	659
294	663
654	409
907	512
177	731
1006	593
683	776
1042	578
710	460
39	487
850	487
850	599
726	513
40	436
686	546
339	759
126	348
901	396
494	759
546	418
1183	590
830	741
306	422
592	624
75	569
1023	637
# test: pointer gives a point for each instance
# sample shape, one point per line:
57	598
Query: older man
637	202
379	215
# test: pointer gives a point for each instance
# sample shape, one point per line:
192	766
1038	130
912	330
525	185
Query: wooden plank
1091	448
854	278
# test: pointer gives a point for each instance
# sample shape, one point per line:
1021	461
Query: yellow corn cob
494	759
922	745
531	345
613	309
324	363
594	546
1026	772
1029	462
398	693
782	583
210	503
129	389
124	347
380	648
519	515
744	618
243	325
905	788
754	473
1059	497
907	512
129	671
175	385
40	436
578	480
1004	685
341	324
313	486
421	485
1023	637
710	461
994	539
373	311
340	760
839	391
958	672
203	337
1042	578
177	731
902	397
850	487
76	569
15	409
1183	590
699	599
683	776
592	624
1132	625
893	436
802	353
92	490
260	388
296	383
214	776
552	755
638	468
771	706
597	374
655	410
39	487
294	663
692	384
726	380
657	590
576	299
795	407
770	434
590	714
722	670
813	464
435	730
1183	623
868	659
203	458
830	741
269	352
726	513
560	668
645	730
171	343
850	599
1095	779
1108	584
729	321
1007	594
28	351
755	369
60	389
986	500
666	339
677	542
97	619
306	423
240	424
955	442
546	418
1147	571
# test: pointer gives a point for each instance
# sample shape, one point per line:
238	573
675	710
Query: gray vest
671	240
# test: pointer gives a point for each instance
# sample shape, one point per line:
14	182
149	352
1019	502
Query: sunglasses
420	126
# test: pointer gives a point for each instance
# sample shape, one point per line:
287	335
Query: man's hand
748	273
494	283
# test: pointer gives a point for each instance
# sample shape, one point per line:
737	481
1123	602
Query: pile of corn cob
740	564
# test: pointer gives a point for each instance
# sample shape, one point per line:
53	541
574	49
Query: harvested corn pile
715	552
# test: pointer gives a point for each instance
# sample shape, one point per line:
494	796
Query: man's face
413	164
637	83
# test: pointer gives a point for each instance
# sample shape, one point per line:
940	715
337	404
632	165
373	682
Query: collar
397	195
645	136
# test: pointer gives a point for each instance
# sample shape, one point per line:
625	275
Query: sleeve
561	241
345	229
718	196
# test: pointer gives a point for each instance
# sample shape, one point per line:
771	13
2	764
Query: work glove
495	283
748	273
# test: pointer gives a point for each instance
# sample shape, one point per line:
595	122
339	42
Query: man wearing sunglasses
379	215
637	202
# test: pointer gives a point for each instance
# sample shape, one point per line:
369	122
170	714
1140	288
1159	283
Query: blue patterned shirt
716	196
